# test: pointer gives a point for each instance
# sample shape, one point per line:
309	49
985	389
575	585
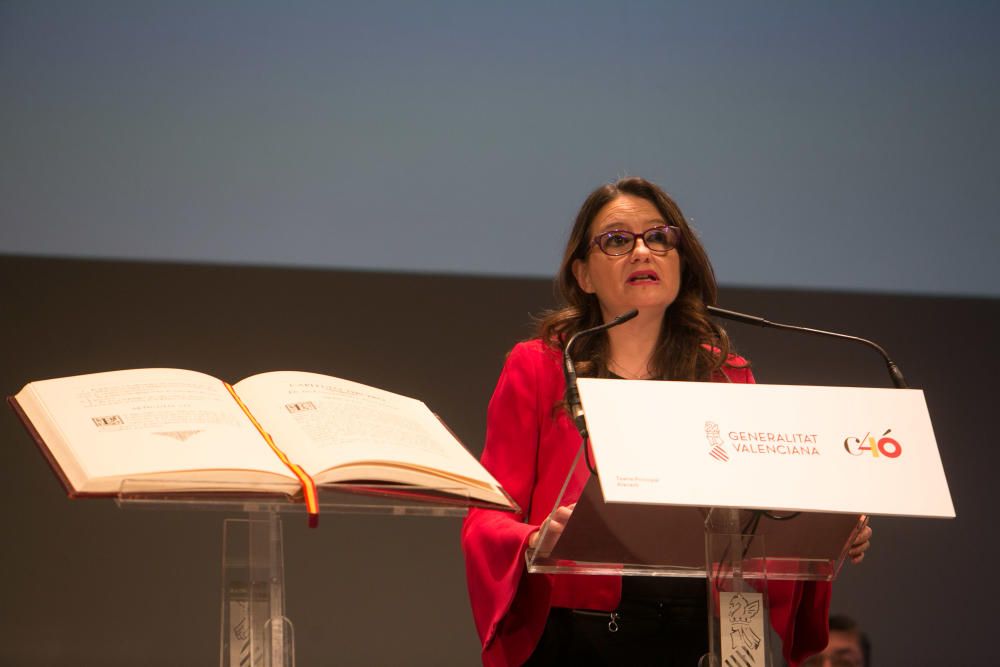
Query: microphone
894	372
569	371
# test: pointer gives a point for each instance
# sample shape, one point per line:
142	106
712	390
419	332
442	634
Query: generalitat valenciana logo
715	442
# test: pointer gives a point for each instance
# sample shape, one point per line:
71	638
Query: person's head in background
848	646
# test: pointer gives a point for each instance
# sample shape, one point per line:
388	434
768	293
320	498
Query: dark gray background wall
91	584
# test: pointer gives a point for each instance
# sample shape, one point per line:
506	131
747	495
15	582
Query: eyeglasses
659	240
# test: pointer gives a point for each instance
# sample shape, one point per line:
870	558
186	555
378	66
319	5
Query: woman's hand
861	543
552	527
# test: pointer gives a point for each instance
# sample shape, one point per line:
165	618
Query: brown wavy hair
691	345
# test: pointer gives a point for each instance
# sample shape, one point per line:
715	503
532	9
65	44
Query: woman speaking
630	248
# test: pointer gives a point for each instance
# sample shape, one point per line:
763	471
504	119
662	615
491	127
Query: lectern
742	484
255	631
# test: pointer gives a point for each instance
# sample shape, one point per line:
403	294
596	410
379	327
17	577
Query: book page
323	422
144	421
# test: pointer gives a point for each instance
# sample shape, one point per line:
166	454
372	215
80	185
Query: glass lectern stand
255	632
738	550
255	629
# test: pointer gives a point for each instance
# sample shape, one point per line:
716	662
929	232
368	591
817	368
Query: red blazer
530	446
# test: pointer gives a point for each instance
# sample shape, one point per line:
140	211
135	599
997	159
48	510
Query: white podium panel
792	448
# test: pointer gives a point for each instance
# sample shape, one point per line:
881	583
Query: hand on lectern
552	528
861	543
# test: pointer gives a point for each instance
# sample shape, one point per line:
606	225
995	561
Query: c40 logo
883	446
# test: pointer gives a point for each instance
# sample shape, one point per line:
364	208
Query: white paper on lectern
712	444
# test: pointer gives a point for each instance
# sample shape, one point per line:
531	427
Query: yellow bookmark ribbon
308	485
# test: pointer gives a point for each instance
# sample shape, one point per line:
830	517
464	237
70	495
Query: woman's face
639	279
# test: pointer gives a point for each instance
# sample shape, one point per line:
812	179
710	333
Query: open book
274	433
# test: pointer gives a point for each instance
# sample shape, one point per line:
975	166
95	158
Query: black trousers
670	632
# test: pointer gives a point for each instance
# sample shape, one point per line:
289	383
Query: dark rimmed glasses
659	240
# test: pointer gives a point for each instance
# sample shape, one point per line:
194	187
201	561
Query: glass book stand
255	631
